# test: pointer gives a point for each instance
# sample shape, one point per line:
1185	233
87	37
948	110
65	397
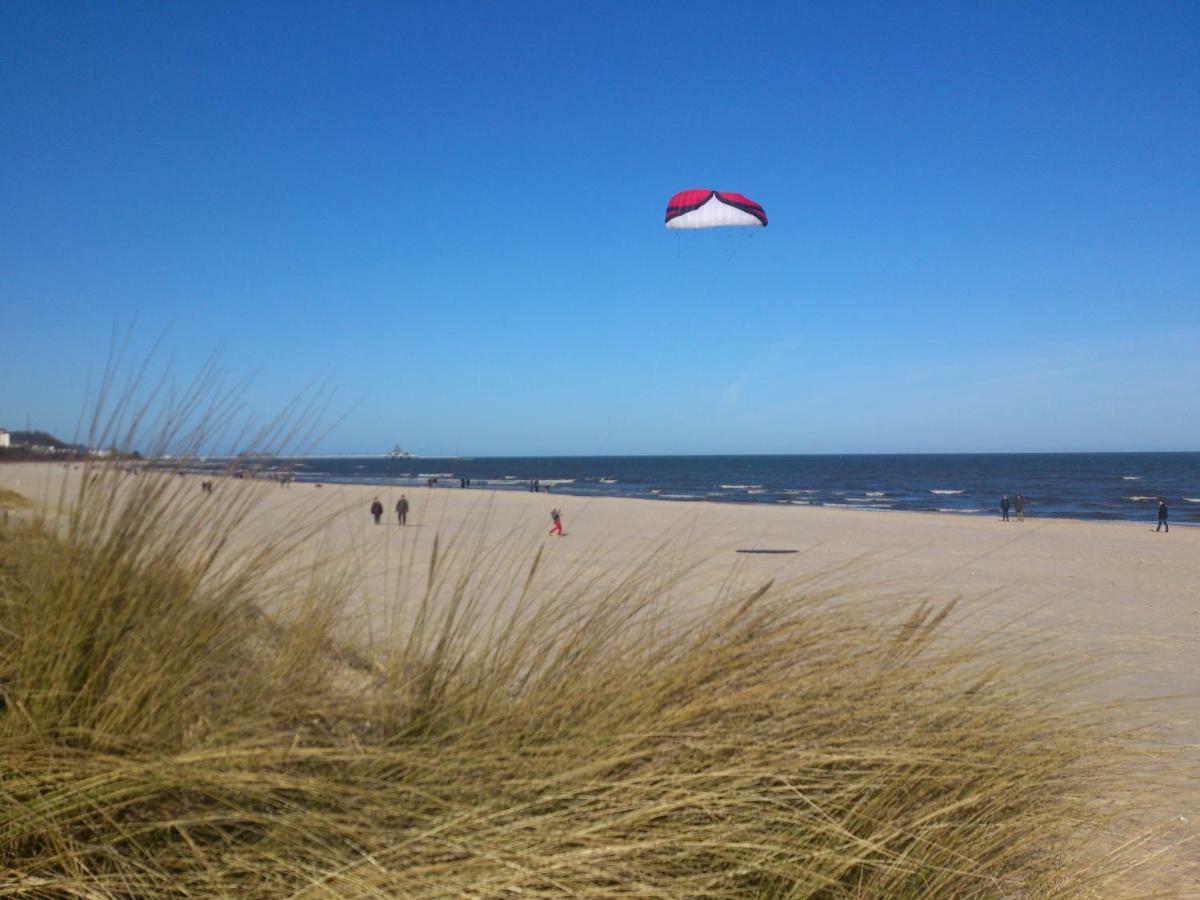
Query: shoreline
749	504
1112	487
416	484
1083	487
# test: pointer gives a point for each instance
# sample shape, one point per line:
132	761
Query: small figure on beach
1020	505
537	485
556	517
1162	514
402	510
377	510
1004	504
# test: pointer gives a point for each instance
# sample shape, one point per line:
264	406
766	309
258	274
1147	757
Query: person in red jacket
556	516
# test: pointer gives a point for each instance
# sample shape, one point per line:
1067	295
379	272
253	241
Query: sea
1094	486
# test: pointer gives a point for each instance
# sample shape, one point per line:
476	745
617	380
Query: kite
703	208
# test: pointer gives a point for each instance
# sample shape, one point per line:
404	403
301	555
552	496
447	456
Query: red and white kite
702	208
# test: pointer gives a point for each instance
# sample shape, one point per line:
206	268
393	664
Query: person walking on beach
1020	504
1004	508
377	510
1162	515
556	516
402	510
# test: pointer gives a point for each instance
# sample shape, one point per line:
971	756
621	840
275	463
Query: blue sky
984	219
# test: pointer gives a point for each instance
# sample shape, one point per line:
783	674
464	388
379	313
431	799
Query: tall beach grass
186	714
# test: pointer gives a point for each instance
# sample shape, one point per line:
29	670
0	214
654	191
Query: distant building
4	438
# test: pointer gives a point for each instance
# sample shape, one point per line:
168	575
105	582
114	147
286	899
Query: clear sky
984	219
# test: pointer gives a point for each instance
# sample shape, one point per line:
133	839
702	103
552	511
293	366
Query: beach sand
1115	594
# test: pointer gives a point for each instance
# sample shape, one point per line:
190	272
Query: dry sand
1116	594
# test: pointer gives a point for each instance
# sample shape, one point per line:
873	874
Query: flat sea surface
1115	486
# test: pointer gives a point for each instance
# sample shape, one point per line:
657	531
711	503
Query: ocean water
1115	486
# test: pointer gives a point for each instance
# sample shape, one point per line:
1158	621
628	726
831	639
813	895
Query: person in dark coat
1162	514
377	510
1004	507
402	510
1020	505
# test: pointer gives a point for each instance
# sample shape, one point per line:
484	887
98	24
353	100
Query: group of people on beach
402	514
1019	507
401	510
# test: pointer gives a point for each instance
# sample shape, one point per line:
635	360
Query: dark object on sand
768	551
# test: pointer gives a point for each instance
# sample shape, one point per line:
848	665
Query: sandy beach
1114	594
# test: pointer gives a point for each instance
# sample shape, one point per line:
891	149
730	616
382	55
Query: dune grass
162	735
10	499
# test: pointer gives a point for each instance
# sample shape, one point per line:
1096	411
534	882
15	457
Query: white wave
740	487
944	491
802	491
608	481
868	506
680	496
861	500
949	510
1190	499
1131	477
1141	499
798	502
756	491
553	481
435	475
876	493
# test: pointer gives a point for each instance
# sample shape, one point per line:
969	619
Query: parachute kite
702	208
